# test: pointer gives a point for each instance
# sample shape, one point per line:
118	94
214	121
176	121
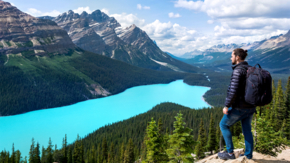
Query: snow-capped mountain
99	33
272	53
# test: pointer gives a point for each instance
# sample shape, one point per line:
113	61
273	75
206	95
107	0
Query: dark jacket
236	91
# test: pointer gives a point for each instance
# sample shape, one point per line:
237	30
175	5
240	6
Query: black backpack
258	90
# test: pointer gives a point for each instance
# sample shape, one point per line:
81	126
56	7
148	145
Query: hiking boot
226	156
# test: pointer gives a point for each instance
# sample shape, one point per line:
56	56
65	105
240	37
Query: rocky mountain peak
99	16
287	34
84	14
22	32
5	5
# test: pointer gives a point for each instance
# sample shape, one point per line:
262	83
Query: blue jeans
235	115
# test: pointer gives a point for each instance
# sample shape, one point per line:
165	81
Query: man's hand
225	110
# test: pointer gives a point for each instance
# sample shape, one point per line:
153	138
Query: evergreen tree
69	159
153	143
99	158
279	107
18	156
143	149
287	105
32	153
111	154
43	155
129	152
64	149
122	151
218	139
37	153
268	141
78	154
104	150
211	143
92	158
199	148
270	106
13	154
49	152
181	142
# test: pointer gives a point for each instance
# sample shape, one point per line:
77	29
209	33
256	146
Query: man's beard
233	63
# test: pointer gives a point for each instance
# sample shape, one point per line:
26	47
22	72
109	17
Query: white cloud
106	11
238	8
81	9
128	19
172	15
172	37
12	4
242	21
139	6
36	13
146	7
210	21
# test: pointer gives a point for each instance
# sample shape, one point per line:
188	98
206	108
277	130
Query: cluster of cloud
243	20
35	12
140	7
172	15
239	21
82	9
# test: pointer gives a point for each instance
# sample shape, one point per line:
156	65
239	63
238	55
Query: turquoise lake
85	117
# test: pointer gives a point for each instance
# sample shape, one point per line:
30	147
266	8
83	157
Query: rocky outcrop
21	32
282	157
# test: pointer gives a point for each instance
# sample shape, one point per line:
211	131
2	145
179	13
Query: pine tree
199	148
78	154
181	142
64	149
37	153
104	150
122	151
43	155
268	141
111	154
99	158
49	152
13	154
153	143
218	139
69	159
129	152
31	152
143	149
211	143
92	158
270	107
287	105
279	107
17	156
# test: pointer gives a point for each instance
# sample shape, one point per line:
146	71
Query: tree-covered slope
30	82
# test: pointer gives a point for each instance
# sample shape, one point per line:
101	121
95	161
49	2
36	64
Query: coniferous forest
167	133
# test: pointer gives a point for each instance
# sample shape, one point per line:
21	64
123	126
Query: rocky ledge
282	157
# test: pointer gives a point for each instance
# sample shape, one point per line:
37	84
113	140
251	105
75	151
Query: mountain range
101	34
272	54
41	67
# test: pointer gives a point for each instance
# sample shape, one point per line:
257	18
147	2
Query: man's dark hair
241	53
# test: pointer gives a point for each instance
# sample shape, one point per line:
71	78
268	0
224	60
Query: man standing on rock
236	109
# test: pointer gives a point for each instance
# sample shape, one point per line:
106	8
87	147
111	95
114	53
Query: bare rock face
21	32
101	34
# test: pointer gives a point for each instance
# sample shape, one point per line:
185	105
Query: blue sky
180	26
